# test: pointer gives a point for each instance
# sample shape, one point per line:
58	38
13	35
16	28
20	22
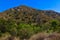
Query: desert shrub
54	25
51	26
3	25
11	27
7	26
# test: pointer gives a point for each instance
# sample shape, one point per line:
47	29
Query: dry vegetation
25	23
38	36
46	36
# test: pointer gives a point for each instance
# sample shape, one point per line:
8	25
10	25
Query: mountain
29	15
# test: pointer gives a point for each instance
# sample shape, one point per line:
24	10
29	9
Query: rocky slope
29	15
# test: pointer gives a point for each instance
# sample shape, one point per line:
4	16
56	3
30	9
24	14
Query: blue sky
38	4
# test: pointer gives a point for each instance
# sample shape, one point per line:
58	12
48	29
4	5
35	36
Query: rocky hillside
22	22
29	15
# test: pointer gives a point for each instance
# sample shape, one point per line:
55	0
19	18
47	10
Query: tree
54	25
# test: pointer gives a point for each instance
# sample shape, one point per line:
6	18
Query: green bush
25	30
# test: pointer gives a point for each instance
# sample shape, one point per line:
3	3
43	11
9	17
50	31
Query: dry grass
13	38
7	36
53	36
45	36
39	36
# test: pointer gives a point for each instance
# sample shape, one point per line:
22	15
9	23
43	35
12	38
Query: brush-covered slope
29	15
22	22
